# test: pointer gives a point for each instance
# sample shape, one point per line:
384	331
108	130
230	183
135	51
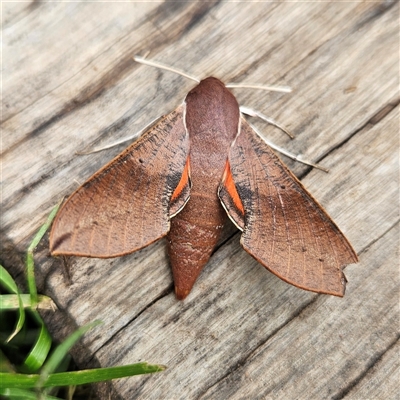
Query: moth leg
298	158
121	141
269	88
268	120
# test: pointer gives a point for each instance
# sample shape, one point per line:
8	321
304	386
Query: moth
187	174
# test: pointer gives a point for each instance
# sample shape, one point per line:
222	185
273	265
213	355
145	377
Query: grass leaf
8	282
25	381
30	268
14	302
40	350
21	394
62	350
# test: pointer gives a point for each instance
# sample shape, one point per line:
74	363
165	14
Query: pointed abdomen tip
181	294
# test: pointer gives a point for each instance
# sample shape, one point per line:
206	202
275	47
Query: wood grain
69	82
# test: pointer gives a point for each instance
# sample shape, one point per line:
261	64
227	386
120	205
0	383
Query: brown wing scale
285	229
125	205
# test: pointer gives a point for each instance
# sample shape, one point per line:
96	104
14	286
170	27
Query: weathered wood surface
69	82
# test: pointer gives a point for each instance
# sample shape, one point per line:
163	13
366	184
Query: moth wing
125	206
284	228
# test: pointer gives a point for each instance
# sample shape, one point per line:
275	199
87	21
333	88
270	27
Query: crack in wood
198	16
242	361
164	293
376	117
378	11
369	245
94	91
374	361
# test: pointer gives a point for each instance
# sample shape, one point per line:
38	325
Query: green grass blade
62	350
30	268
8	282
23	381
9	302
43	229
21	394
40	350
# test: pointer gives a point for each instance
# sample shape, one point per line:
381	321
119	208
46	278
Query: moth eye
141	161
283	187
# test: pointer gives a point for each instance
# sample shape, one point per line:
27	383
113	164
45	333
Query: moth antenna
287	154
143	60
270	88
127	139
255	113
